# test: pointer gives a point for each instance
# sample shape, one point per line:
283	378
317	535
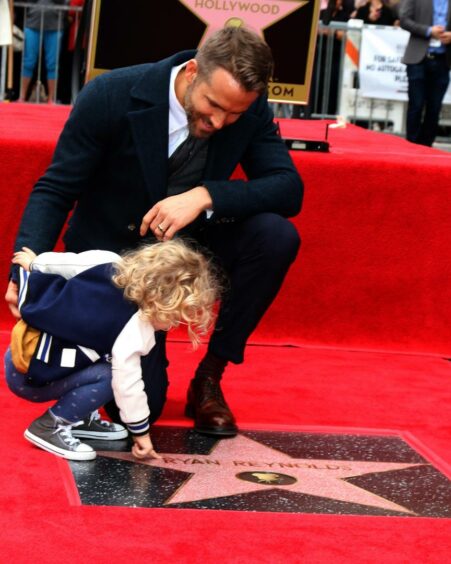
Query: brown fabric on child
24	340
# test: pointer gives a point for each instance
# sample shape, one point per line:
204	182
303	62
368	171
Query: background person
46	25
376	12
428	60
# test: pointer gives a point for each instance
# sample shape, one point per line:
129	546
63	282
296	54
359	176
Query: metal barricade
335	88
40	89
373	113
336	73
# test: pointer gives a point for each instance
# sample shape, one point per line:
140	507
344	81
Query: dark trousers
428	82
256	254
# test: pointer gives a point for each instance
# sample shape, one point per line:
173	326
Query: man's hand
143	447
437	31
176	212
12	298
445	38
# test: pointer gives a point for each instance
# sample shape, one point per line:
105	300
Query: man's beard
193	116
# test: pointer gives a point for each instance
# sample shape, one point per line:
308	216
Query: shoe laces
95	416
65	432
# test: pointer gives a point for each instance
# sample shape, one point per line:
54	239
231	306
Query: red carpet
373	274
375	229
317	390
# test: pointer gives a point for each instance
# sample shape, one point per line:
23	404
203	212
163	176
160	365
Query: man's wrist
206	202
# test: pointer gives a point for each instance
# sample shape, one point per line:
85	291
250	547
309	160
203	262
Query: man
148	151
428	60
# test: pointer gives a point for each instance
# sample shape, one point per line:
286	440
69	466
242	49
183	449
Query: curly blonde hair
171	284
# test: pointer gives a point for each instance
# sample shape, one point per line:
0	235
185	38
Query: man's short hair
242	53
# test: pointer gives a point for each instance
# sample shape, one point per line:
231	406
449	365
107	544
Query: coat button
131	226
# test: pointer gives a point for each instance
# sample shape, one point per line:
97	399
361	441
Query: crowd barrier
342	59
11	61
358	74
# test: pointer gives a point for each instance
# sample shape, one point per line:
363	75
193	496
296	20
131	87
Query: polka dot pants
77	395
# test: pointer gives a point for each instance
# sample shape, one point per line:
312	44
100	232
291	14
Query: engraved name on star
255	14
242	465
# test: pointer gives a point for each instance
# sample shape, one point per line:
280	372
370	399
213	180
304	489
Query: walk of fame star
220	473
257	15
290	472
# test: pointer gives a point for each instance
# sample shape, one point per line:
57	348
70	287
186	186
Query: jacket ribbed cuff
139	428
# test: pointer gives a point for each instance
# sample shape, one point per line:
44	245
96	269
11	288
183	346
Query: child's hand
143	447
24	258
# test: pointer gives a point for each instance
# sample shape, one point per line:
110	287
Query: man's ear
191	70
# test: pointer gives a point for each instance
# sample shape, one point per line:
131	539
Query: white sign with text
5	23
382	74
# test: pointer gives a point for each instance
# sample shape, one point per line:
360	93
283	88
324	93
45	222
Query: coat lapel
150	135
149	122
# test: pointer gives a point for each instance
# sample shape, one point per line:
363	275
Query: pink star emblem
255	14
242	465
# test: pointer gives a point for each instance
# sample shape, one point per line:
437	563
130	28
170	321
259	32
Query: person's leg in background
30	58
256	254
52	43
417	95
437	81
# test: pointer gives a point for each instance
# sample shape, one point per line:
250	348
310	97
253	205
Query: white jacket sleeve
135	340
69	265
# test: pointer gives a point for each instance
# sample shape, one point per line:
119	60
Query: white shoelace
95	416
65	432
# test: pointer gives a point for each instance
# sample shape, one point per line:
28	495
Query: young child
87	319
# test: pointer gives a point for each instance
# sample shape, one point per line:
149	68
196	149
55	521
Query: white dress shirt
178	122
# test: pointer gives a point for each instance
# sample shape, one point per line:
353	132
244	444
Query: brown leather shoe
207	406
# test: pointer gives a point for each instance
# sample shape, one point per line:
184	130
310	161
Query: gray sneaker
94	427
53	434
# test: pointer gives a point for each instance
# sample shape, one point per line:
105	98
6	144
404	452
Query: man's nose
218	119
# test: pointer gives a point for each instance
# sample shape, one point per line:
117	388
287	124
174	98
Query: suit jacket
416	17
112	161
